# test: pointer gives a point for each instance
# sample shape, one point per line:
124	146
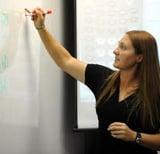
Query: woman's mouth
117	59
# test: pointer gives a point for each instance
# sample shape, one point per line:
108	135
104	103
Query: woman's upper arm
75	68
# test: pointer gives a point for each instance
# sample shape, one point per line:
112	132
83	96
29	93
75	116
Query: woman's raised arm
59	54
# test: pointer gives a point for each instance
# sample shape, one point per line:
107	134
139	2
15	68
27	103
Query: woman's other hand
121	131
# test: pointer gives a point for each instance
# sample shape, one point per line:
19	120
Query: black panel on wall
74	142
70	44
83	142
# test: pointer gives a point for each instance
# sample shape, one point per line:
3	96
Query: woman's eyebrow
121	42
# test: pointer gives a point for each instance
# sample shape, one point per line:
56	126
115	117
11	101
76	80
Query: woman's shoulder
97	68
95	76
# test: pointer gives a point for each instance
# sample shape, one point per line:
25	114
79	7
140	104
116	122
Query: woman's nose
115	51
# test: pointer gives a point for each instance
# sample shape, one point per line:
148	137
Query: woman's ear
139	58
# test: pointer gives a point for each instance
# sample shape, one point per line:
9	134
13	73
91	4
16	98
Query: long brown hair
148	93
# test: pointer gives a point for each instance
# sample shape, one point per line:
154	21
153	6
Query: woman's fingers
121	131
38	17
116	125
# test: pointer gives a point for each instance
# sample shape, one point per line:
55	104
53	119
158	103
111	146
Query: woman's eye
122	47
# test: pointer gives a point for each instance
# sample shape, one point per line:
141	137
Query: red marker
29	13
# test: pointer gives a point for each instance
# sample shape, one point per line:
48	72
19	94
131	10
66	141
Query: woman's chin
115	65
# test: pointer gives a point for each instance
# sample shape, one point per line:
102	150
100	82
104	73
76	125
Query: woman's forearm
54	48
122	131
151	141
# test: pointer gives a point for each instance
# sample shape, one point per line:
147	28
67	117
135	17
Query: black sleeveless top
113	111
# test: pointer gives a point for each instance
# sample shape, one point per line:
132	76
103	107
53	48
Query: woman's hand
121	131
38	17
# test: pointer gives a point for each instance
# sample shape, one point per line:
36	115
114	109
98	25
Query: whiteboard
99	26
19	64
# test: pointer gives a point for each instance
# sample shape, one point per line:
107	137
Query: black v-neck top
114	111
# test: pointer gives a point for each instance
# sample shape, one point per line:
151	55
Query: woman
127	101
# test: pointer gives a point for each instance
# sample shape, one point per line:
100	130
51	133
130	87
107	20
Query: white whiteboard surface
100	25
19	64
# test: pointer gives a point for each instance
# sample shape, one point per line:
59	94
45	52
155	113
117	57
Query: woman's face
125	56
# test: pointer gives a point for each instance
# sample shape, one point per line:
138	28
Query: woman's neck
128	84
128	78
